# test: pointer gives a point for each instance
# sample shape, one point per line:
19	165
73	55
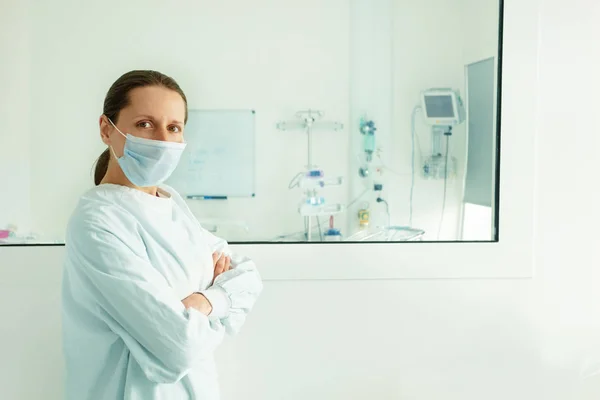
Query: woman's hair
117	99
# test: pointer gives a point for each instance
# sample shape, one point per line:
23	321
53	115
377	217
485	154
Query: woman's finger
220	267
227	264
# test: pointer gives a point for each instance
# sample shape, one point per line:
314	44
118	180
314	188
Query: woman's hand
222	263
199	302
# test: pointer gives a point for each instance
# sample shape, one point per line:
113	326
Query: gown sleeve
136	302
234	293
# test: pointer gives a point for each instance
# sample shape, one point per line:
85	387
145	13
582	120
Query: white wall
470	36
416	340
14	114
371	72
567	203
390	66
417	31
276	58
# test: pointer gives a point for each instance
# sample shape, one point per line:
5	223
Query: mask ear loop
118	130
113	151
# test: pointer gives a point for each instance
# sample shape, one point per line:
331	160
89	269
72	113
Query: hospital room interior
294	134
385	163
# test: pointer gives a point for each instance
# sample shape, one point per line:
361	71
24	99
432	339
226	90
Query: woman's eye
144	124
175	129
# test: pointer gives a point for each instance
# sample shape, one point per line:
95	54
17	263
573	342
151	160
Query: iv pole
308	120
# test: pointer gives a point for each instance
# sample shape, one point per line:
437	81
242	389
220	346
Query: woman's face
154	112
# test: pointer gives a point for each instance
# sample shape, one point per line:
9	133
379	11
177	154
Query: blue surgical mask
147	162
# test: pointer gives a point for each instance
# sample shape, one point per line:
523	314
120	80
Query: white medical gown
131	259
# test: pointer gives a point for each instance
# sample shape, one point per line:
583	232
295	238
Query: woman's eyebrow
176	121
144	116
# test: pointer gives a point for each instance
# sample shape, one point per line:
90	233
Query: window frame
509	257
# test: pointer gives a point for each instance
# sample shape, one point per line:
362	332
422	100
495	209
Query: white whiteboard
219	158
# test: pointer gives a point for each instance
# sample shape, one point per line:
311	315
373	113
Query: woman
147	292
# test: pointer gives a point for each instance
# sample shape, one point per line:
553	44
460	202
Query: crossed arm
199	301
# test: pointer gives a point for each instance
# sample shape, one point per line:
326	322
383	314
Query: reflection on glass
379	123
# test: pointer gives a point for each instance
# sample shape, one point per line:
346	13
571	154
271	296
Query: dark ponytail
101	167
117	99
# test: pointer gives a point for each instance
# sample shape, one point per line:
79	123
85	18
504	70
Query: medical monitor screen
439	106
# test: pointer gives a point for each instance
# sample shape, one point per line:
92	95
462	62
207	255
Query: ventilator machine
443	109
